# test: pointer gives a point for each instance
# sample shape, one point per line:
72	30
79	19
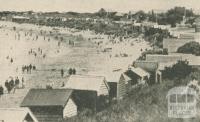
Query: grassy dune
143	104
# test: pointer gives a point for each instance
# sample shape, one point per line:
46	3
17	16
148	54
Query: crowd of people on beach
36	53
28	68
11	85
71	71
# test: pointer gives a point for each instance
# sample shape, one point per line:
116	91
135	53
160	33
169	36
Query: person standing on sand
23	86
12	83
1	91
30	68
17	82
11	60
62	72
14	88
7	85
73	71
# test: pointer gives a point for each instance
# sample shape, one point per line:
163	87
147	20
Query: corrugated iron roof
163	58
46	97
85	82
140	72
148	66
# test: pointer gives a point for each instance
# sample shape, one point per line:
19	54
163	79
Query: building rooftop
85	82
15	114
46	97
149	66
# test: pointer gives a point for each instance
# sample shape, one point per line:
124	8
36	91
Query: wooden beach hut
89	91
137	76
117	81
50	105
17	115
152	68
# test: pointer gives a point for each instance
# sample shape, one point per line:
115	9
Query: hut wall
121	88
85	99
113	89
70	109
48	114
103	89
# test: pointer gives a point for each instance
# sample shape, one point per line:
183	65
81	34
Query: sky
94	5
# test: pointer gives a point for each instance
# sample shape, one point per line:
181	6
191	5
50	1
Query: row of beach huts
79	93
95	92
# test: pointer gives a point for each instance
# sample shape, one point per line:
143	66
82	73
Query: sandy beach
85	56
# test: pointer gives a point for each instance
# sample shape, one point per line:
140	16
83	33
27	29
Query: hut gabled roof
85	82
148	66
46	97
15	114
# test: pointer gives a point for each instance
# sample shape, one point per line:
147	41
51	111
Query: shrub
191	48
179	70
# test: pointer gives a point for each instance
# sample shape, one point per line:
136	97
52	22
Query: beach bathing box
50	105
117	81
152	68
89	91
17	115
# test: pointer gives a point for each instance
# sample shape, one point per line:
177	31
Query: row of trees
172	16
156	36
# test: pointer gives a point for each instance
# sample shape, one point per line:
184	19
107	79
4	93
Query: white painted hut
89	91
88	83
17	115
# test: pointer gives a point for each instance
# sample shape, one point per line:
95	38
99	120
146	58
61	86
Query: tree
179	70
174	16
152	16
190	48
141	16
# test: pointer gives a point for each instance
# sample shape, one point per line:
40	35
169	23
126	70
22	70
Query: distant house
118	14
152	68
197	24
17	115
172	44
162	27
149	24
164	60
187	36
50	105
89	91
3	18
20	19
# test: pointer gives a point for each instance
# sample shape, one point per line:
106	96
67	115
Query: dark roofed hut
152	68
50	105
137	75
